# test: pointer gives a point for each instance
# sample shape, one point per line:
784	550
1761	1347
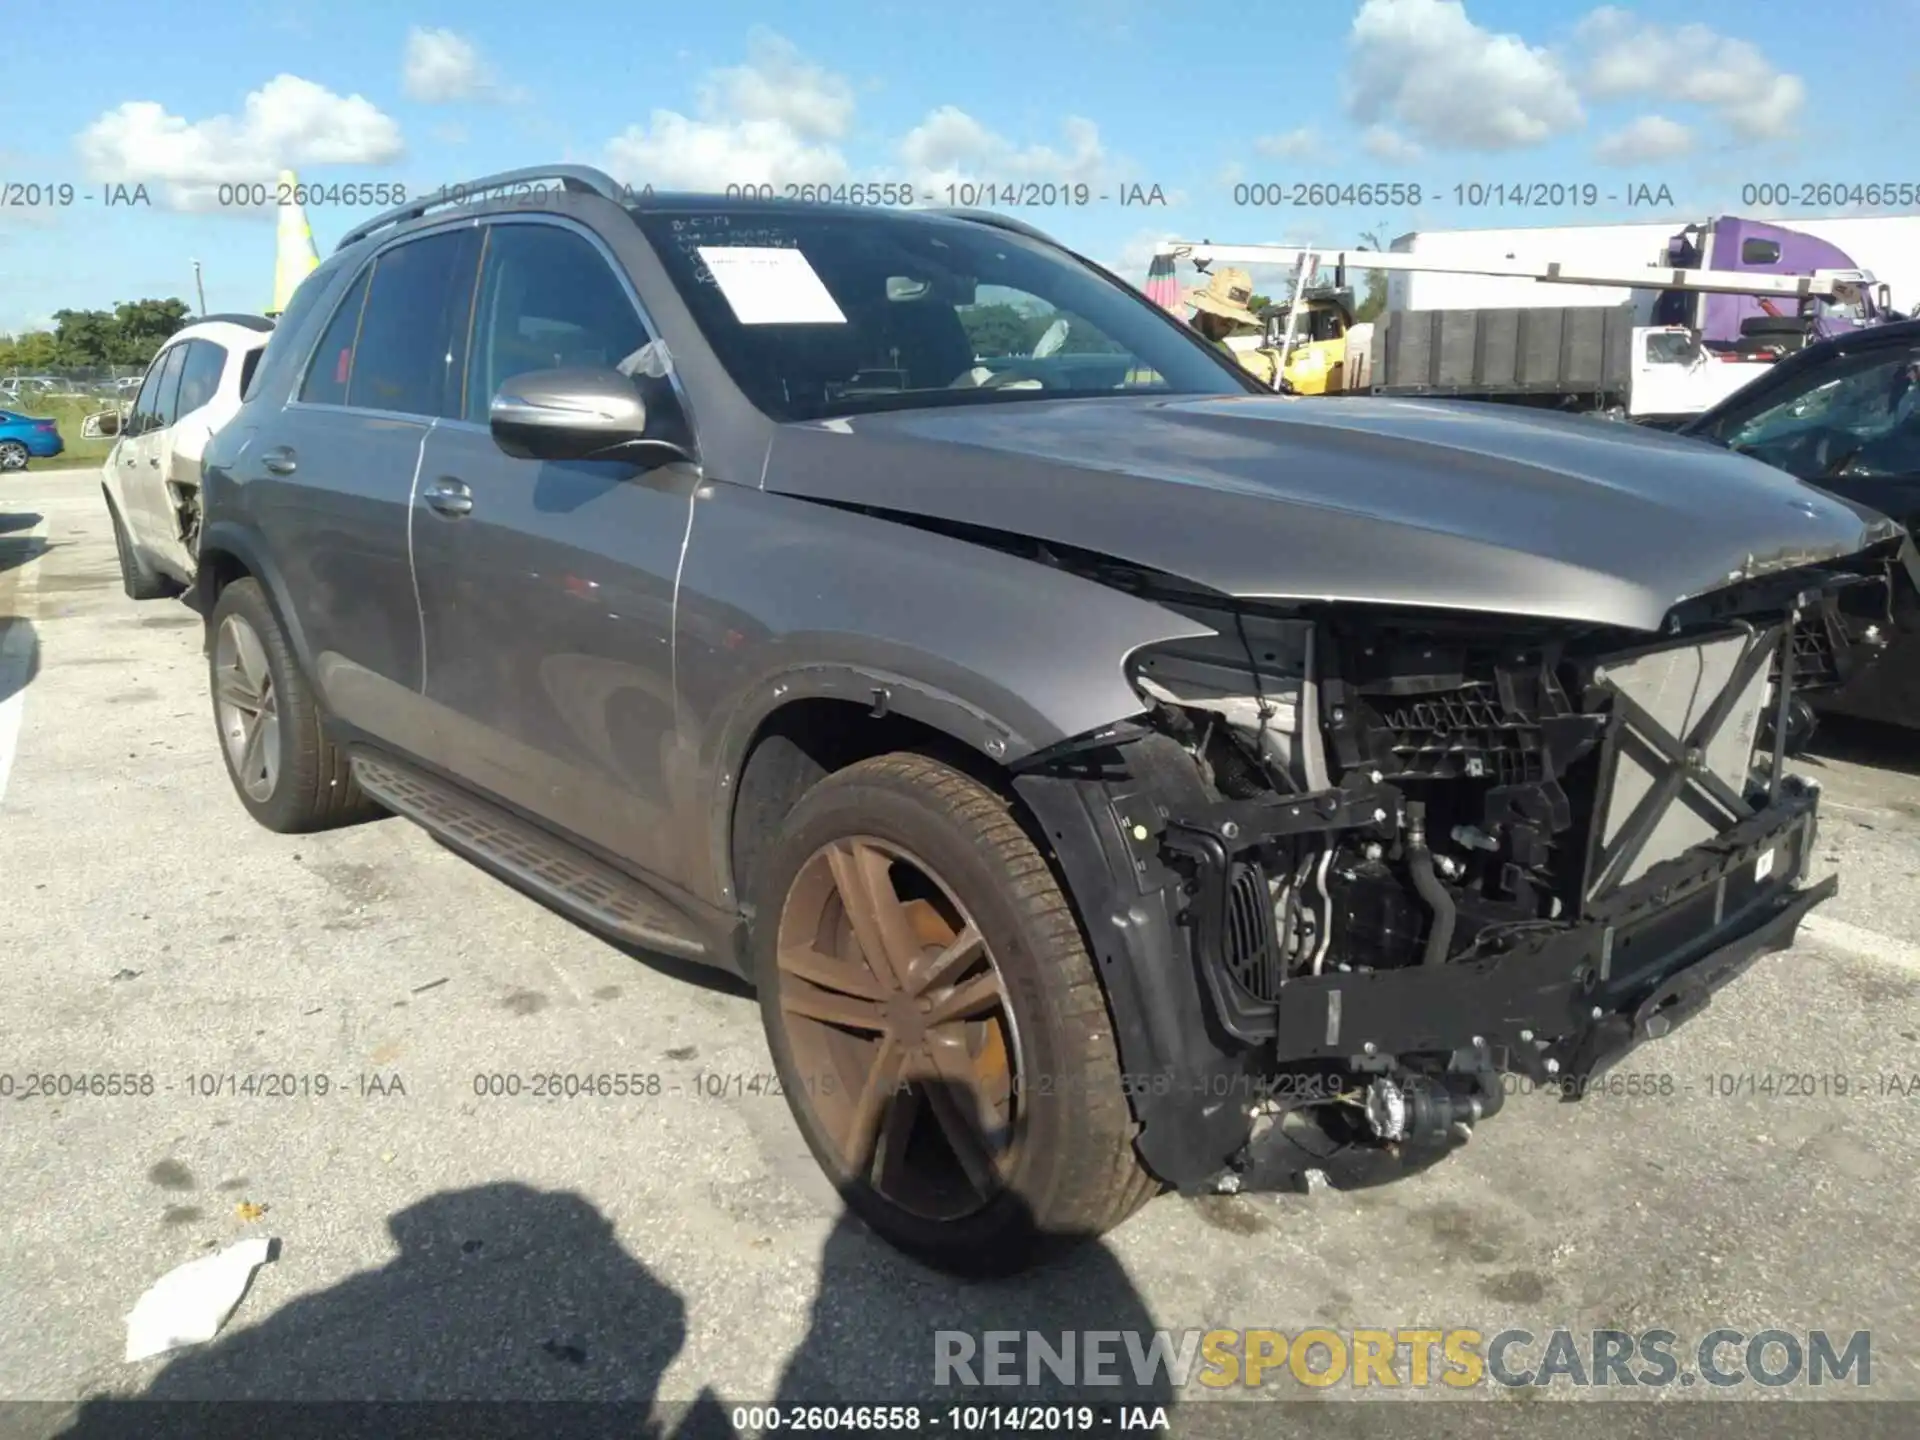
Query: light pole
200	288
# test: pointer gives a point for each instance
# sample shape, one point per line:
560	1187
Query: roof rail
999	222
249	322
583	179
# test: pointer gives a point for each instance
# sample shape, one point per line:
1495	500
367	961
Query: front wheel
288	774
936	1023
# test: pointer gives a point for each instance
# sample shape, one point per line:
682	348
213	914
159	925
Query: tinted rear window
200	380
249	368
332	363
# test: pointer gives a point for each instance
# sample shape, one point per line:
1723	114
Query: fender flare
247	547
883	691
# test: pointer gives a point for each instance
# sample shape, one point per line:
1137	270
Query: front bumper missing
1563	1005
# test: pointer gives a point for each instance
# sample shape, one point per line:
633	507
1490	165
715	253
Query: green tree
1002	329
144	326
129	334
27	353
84	337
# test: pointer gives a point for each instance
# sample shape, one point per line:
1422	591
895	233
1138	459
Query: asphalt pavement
439	1241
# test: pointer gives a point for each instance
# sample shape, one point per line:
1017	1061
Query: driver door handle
279	460
450	497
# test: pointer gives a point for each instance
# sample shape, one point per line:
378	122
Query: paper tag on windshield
766	285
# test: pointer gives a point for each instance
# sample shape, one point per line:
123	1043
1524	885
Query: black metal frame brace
1681	764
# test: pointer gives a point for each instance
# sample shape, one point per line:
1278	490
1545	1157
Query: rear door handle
279	460
450	496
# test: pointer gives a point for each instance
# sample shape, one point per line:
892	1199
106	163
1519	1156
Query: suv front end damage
1400	854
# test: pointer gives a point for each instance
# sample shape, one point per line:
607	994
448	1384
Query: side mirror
573	414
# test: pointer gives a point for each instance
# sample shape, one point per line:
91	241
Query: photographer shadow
507	1311
513	1311
887	1329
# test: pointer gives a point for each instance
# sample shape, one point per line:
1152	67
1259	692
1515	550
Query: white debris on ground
189	1304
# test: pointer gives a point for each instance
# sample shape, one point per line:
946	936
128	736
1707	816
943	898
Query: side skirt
542	864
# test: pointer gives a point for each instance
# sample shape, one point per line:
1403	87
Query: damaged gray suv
1112	776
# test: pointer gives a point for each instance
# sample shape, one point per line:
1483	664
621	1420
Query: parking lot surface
438	1240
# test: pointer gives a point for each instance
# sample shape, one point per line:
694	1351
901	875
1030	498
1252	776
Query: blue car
23	438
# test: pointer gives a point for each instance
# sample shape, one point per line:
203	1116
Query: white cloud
780	84
1424	66
781	119
672	152
1136	253
1383	142
1628	55
951	147
770	121
1293	145
1647	139
442	67
286	123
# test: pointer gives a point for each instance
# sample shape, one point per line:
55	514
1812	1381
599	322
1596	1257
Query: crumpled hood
1476	507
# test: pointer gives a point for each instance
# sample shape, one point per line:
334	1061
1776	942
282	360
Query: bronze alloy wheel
900	1029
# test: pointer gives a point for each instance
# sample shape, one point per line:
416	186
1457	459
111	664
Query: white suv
152	475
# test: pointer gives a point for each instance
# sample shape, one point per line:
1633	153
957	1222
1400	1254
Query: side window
250	367
140	417
413	335
1004	323
547	300
166	394
332	364
1861	414
200	378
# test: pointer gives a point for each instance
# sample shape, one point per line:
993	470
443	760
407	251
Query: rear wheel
936	1023
288	774
13	455
138	577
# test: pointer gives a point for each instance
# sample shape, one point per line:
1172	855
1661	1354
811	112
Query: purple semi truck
1730	243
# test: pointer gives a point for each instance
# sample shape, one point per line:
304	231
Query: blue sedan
23	438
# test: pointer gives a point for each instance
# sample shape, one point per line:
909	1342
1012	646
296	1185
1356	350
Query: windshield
825	314
1857	416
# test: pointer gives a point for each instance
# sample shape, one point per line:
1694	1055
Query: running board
550	868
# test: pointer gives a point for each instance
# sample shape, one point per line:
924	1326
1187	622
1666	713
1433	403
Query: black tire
311	786
1072	1172
137	574
13	455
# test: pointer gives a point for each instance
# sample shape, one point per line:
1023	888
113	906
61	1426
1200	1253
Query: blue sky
1702	98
